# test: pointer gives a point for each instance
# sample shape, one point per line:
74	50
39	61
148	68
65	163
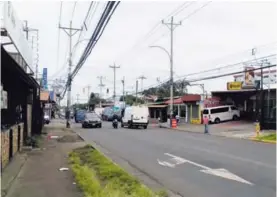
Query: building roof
44	96
185	98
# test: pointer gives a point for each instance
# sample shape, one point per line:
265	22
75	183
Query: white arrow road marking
226	174
164	163
216	172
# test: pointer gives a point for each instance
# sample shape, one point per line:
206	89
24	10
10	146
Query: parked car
135	116
221	113
107	112
91	120
80	116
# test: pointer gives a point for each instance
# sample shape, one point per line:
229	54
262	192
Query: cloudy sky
218	34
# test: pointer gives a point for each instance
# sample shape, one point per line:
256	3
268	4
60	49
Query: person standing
206	124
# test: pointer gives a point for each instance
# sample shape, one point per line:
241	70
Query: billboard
249	78
44	84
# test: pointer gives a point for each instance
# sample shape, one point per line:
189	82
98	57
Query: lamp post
171	79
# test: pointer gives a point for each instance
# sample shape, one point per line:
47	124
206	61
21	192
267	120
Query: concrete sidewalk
40	175
234	129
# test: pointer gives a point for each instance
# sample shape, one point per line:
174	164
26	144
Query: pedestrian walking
177	119
206	124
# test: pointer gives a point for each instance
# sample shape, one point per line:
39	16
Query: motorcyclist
115	119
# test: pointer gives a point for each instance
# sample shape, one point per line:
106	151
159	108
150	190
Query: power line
158	26
58	48
73	10
104	20
219	68
73	52
195	11
185	18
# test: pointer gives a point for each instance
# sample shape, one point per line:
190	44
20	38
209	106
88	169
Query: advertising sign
234	85
44	79
14	27
249	78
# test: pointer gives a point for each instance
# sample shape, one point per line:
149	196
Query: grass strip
97	176
269	137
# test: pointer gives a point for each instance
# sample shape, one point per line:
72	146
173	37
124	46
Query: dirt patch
70	138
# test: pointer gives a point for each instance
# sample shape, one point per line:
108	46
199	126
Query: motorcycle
115	124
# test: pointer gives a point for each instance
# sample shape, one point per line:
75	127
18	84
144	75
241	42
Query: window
234	108
205	111
219	110
182	111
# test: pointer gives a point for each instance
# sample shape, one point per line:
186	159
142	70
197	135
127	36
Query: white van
135	116
221	113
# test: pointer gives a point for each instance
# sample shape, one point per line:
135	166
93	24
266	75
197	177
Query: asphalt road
200	157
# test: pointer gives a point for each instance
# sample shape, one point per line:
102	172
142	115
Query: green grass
97	176
270	137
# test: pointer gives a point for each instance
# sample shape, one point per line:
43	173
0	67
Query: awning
175	101
157	106
186	98
10	65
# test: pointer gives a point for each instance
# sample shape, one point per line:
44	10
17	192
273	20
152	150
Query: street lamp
171	79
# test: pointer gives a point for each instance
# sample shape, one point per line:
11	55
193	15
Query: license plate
93	124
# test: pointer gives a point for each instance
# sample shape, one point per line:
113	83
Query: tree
94	99
130	99
179	89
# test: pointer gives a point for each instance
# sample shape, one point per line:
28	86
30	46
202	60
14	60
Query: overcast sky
220	33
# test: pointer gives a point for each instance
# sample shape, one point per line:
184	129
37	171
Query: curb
105	152
239	138
263	141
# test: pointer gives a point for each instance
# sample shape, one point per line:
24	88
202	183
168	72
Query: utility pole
77	98
101	85
123	84
136	91
142	77
114	67
88	87
171	27
70	32
27	30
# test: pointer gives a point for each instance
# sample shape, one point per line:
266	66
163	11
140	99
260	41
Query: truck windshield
205	111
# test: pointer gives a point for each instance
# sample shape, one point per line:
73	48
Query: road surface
190	164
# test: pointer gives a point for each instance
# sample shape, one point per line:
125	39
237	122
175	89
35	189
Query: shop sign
195	121
44	79
234	85
14	27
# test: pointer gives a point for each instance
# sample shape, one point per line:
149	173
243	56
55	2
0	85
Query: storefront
20	113
187	107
